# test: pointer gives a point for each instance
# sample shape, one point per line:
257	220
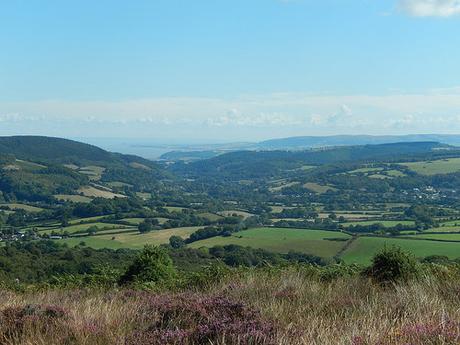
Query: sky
228	70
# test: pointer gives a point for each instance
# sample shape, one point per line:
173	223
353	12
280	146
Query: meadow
72	198
444	166
364	248
386	223
282	240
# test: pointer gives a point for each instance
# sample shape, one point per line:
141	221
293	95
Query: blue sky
229	70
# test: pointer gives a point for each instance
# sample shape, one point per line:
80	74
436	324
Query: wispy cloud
430	8
277	114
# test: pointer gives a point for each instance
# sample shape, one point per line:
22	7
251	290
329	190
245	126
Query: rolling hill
37	168
259	164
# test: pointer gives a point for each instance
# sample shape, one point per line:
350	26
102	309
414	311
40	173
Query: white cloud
268	115
430	8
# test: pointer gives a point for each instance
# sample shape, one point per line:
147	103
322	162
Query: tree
176	242
147	225
92	230
153	264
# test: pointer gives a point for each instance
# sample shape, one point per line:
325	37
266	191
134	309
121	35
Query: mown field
133	240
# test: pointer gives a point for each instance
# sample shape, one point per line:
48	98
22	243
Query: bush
176	242
152	265
393	265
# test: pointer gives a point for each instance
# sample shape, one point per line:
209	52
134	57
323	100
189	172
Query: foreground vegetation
395	301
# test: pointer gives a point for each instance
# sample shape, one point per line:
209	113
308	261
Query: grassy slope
79	227
443	166
387	223
282	240
362	250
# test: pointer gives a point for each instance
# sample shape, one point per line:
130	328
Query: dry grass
303	309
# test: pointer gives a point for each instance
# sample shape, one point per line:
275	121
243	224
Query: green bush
152	265
393	265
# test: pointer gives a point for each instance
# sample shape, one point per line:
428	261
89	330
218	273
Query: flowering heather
48	319
261	306
195	319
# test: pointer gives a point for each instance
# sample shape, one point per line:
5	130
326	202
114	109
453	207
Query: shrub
152	265
392	265
176	242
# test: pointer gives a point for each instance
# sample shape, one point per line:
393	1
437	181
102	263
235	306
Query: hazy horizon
229	71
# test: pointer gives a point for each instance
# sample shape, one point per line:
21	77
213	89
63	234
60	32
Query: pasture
440	237
282	240
363	248
85	220
137	221
443	166
92	241
212	217
385	223
72	198
239	213
174	208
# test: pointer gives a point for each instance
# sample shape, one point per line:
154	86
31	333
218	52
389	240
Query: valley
348	204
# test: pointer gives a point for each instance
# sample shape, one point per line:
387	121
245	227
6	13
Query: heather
269	305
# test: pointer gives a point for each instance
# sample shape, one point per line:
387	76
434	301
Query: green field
212	217
118	184
442	237
444	166
365	170
174	208
72	197
93	242
445	229
137	221
386	223
379	176
395	173
229	213
85	220
279	209
282	240
362	250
